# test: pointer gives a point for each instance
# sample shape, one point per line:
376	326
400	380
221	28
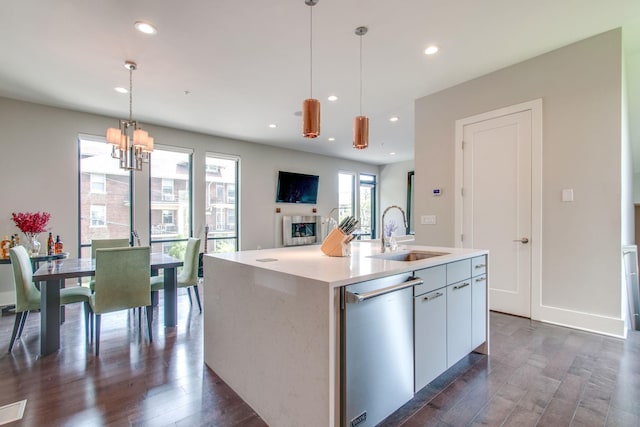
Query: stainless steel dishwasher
376	348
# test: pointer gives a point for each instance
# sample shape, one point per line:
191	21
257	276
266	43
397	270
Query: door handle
524	240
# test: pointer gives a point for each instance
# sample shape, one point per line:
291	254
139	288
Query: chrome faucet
404	219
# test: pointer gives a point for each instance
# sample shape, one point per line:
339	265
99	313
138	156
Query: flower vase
34	245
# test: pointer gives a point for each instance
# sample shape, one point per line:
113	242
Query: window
103	188
360	203
219	192
367	206
98	183
231	193
221	216
167	189
170	199
346	195
98	215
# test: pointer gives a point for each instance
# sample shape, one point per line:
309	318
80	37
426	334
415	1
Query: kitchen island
272	322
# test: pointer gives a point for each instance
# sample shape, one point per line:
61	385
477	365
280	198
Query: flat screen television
297	188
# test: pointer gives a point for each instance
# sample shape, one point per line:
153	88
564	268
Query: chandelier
131	145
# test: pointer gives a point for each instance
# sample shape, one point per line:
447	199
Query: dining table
53	274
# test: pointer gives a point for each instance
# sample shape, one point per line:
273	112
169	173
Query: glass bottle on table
58	245
50	244
5	246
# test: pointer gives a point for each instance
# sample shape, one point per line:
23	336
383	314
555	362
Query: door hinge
462	237
462	144
462	191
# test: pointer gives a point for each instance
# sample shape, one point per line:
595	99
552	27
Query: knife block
336	244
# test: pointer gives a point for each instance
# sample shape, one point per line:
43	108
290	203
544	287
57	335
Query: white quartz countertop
363	264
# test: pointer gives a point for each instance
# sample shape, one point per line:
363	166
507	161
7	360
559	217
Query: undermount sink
409	256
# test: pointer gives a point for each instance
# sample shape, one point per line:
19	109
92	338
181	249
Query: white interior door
496	201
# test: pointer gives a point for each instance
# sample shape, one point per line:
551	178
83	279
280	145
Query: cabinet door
430	331
458	321
478	311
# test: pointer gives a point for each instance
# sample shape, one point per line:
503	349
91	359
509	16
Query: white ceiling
245	64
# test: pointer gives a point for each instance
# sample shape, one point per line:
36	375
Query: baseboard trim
604	325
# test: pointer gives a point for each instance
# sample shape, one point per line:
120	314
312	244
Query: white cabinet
450	316
478	310
479	306
458	321
430	326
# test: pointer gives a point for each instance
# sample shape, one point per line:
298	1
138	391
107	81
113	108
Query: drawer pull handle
481	279
355	298
464	285
432	297
481	266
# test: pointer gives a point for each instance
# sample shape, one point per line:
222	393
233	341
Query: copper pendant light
311	106
360	123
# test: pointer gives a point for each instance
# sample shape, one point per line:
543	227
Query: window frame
223	212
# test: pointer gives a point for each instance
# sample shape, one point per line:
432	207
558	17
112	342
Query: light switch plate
567	195
428	219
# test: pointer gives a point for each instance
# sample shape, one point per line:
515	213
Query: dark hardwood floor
537	374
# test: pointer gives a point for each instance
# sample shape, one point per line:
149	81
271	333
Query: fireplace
300	230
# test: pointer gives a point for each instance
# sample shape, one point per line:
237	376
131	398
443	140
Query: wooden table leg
49	316
170	297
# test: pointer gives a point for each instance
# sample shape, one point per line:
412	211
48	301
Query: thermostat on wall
436	191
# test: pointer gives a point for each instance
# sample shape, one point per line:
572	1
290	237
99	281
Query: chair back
107	243
27	295
189	273
122	279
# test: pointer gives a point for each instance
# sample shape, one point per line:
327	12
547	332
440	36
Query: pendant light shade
360	132
311	106
361	123
311	118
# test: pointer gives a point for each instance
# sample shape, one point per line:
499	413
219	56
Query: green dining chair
28	296
121	283
188	275
105	244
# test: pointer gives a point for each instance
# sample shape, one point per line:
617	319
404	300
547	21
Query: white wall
581	90
39	171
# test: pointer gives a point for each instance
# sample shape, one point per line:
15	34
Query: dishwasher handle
354	298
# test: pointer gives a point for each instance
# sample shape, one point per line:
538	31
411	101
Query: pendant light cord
361	75
131	94
311	51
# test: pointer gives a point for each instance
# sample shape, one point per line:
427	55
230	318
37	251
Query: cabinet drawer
434	278
458	271
478	265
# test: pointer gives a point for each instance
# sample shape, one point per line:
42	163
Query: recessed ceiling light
393	153
273	125
431	50
145	27
332	98
331	139
120	90
394	119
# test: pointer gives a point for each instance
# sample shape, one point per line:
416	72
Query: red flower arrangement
31	223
